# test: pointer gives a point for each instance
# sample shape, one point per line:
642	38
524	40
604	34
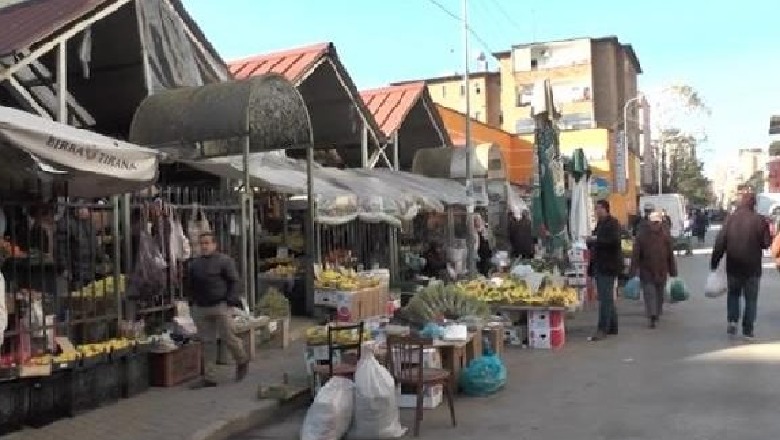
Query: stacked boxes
546	329
432	395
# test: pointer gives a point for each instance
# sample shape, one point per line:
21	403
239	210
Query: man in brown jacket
653	261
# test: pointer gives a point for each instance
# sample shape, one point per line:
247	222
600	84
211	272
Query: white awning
93	165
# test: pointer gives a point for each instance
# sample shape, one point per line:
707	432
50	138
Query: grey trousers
654	298
212	322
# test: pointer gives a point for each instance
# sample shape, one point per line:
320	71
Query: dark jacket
653	255
606	253
521	237
211	280
76	249
744	236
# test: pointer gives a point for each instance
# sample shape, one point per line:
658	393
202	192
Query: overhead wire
457	17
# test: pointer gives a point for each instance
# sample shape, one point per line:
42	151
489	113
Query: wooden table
455	355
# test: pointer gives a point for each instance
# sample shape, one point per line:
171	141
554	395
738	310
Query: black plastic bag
149	275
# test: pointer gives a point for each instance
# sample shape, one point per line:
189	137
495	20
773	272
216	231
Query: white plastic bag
376	410
329	417
717	284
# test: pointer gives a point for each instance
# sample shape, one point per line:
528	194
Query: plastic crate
108	386
134	372
14	404
49	398
83	383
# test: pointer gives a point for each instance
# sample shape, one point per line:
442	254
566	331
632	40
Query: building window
443	91
462	90
525	126
477	89
575	121
534	64
524	93
478	115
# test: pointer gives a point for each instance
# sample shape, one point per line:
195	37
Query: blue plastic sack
632	289
483	376
432	330
677	290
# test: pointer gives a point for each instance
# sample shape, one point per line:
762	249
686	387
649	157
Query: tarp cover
92	164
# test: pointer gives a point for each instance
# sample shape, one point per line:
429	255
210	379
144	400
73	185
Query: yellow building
599	146
485	95
592	78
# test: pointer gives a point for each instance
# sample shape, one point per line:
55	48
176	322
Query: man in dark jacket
521	236
744	236
212	285
606	264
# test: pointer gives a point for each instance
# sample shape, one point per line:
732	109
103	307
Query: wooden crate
173	368
495	337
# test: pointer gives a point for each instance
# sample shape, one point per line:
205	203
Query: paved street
685	380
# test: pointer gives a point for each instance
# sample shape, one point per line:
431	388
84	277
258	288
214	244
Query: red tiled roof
29	22
293	63
390	105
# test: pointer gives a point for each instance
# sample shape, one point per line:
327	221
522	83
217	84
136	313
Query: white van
673	204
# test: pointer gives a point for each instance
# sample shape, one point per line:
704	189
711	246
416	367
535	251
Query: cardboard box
495	336
432	397
547	339
544	320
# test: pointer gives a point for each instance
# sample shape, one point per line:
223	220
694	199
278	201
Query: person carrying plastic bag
330	416
717	284
743	238
653	262
632	289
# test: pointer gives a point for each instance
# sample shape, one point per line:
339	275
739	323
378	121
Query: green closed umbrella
549	196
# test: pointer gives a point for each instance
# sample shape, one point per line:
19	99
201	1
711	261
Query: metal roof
390	105
294	64
26	23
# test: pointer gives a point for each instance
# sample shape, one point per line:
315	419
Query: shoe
612	332
598	336
652	322
732	329
241	370
205	383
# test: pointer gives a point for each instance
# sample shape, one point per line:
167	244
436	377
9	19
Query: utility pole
470	243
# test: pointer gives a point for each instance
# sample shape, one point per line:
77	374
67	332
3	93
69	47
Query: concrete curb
266	412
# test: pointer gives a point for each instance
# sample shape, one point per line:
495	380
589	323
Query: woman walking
653	261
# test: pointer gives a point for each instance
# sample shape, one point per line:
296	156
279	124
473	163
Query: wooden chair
405	362
342	368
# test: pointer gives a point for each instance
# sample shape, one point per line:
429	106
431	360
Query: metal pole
245	228
661	164
470	244
62	82
311	236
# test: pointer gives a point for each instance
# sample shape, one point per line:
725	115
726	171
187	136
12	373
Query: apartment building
484	93
592	78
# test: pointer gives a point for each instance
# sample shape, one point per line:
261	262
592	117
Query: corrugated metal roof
26	23
390	105
294	64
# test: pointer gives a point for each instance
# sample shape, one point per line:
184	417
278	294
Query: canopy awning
217	119
93	165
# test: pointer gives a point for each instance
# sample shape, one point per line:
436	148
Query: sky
727	51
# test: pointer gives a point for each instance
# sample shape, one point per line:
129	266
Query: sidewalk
180	413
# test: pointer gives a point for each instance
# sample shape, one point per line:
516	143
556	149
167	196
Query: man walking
212	281
744	236
653	261
606	264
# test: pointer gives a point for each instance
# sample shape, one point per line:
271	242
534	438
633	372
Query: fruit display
274	304
83	351
436	302
514	292
344	279
283	270
318	335
102	288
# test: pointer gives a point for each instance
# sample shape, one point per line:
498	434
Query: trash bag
376	410
632	289
677	290
484	376
717	284
149	276
330	415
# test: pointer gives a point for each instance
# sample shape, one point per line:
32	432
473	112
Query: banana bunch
102	288
445	301
318	335
560	296
91	350
284	270
344	279
509	291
